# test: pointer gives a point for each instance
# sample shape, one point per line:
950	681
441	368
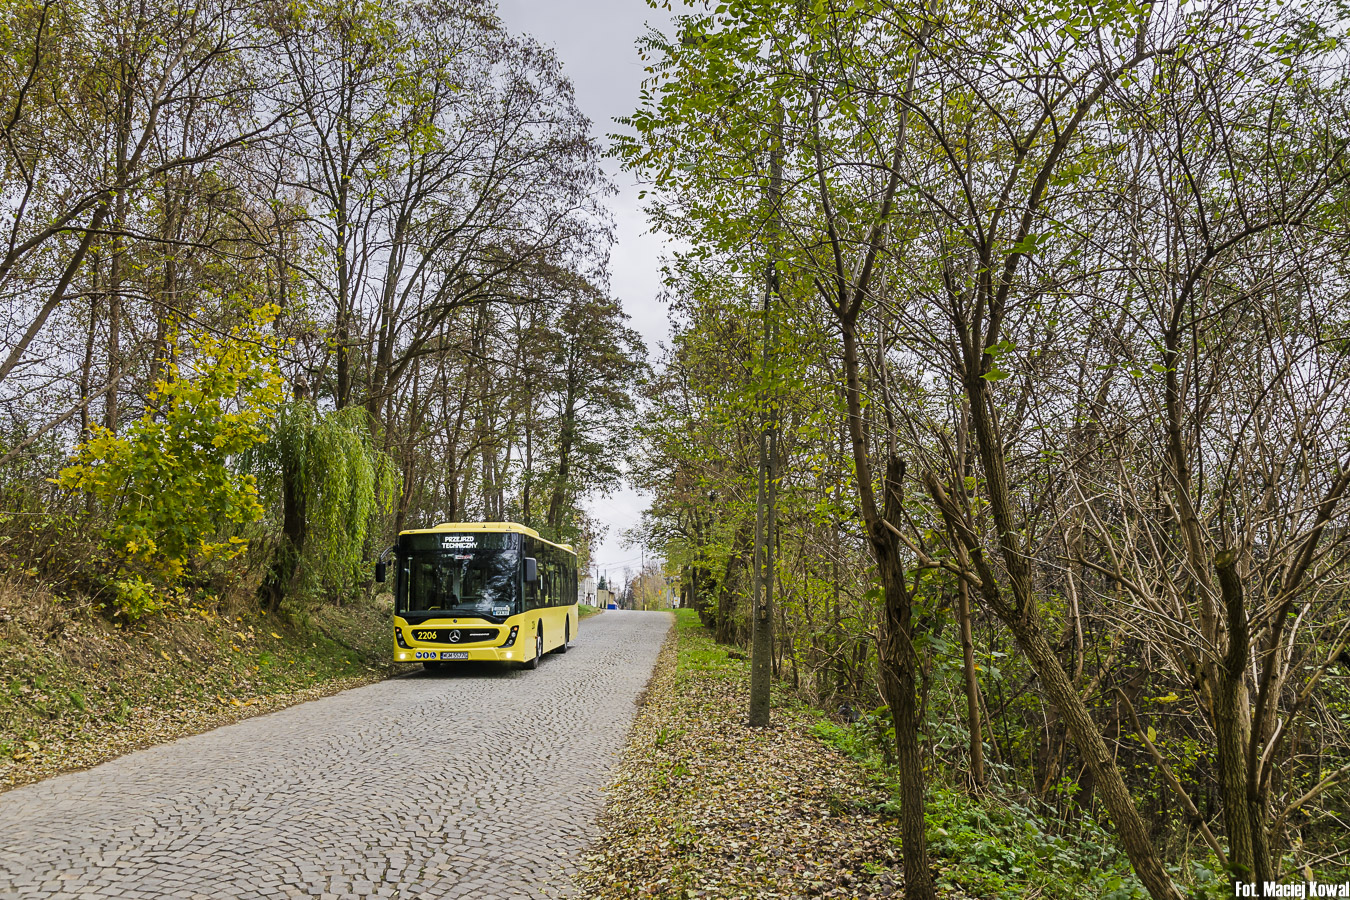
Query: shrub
168	481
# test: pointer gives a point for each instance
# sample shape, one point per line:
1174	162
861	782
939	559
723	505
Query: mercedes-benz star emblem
454	637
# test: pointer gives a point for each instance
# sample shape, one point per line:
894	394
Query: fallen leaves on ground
704	806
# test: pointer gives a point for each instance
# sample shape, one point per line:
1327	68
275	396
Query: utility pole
761	641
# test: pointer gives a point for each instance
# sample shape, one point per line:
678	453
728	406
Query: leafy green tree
593	363
784	88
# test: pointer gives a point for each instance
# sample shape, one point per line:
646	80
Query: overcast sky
596	41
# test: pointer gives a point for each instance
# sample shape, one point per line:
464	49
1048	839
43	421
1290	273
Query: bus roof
486	526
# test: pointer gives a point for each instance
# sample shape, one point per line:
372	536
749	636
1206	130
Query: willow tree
331	483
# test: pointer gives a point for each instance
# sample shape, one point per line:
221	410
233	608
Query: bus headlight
511	638
398	636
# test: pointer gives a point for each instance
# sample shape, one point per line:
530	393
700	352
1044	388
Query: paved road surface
483	782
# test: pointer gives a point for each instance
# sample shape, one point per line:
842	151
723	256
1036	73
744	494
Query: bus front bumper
468	654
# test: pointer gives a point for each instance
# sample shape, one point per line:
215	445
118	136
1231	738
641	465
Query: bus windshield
460	581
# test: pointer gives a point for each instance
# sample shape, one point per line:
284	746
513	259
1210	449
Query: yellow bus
467	591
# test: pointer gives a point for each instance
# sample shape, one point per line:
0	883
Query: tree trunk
1110	786
168	291
895	647
110	409
761	613
766	513
977	775
566	437
54	299
87	367
899	684
294	528
342	320
1232	731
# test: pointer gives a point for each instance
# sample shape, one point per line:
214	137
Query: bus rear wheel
567	637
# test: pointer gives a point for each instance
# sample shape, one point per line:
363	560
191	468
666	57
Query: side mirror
531	570
382	567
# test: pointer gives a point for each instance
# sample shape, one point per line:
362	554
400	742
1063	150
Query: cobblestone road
482	782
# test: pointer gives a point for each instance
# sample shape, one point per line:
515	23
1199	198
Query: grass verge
77	690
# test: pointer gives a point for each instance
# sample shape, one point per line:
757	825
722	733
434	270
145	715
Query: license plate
454	654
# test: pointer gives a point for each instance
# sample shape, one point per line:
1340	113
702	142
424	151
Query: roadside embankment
77	689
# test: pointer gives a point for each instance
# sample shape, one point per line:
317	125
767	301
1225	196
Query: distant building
604	597
586	590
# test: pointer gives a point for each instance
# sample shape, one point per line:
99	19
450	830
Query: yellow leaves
31	746
1152	734
176	461
1169	698
275	635
166	656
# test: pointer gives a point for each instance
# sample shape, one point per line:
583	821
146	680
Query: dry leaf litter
705	807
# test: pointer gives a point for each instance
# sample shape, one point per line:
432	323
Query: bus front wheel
538	651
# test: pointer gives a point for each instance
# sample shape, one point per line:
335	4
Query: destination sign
459	542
